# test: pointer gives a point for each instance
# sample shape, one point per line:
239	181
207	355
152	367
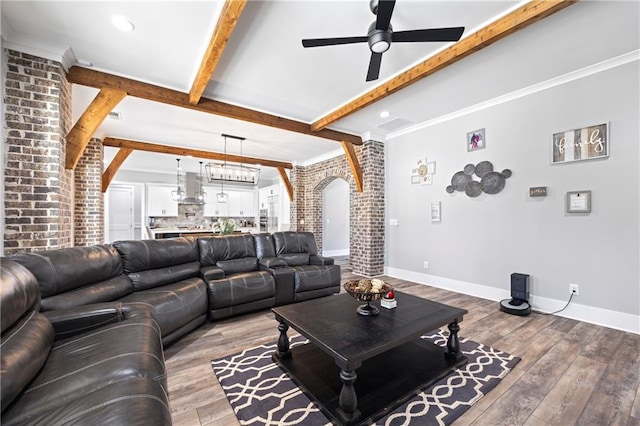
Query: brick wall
89	199
38	189
366	209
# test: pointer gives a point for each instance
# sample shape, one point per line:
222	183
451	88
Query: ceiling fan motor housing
379	40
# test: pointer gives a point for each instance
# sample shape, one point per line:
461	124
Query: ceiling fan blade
374	66
433	34
385	9
317	42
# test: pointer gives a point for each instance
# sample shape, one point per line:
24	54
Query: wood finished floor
571	373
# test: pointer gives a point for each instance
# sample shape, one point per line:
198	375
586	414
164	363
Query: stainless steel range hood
192	190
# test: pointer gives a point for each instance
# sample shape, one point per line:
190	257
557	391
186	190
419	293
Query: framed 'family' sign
587	143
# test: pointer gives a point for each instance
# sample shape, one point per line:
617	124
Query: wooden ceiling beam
286	181
100	80
197	153
79	136
115	164
520	18
231	11
352	158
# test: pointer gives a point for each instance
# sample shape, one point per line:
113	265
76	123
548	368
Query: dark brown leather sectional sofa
83	328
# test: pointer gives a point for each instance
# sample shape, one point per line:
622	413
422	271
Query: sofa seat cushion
241	288
173	305
133	401
85	363
315	277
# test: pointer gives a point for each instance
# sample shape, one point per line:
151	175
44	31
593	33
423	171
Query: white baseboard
590	314
332	253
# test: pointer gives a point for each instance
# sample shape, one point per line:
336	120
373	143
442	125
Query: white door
121	219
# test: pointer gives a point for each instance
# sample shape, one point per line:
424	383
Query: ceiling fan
381	35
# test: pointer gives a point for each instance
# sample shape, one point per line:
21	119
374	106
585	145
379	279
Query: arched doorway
335	220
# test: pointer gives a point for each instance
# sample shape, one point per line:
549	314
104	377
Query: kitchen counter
157	233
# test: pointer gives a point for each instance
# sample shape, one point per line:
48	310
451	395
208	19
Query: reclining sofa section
114	374
182	281
83	328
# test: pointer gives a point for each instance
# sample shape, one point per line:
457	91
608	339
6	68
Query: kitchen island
158	233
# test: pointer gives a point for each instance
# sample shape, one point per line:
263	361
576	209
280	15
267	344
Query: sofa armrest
72	321
320	260
271	262
208	273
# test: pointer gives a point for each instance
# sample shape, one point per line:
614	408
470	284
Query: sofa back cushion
295	247
264	245
80	275
231	253
153	263
27	336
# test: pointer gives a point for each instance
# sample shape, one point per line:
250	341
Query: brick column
89	199
367	214
38	190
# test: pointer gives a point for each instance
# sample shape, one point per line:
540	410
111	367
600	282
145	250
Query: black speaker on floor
519	303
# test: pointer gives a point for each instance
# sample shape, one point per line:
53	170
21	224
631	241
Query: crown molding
40	48
526	91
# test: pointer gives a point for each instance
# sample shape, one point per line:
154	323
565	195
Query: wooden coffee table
392	362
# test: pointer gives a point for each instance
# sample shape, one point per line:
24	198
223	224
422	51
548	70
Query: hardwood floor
571	373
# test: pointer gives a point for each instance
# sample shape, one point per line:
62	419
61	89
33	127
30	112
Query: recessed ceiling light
122	23
384	114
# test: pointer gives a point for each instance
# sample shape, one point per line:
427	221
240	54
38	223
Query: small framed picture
476	140
426	180
415	179
579	202
431	167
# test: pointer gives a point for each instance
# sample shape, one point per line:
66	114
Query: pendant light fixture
232	173
178	194
201	196
222	197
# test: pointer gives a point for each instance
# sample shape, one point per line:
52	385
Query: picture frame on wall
476	140
586	143
578	202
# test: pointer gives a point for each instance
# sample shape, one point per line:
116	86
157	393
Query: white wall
335	218
482	240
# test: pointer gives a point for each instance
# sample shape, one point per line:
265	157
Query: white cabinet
212	208
239	204
159	201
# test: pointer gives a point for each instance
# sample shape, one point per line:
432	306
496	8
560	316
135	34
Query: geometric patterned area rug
260	393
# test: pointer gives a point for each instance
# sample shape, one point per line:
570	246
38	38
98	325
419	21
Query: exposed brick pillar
38	190
296	208
89	199
367	220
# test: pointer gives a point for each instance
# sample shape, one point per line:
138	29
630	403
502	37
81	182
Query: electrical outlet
574	289
426	265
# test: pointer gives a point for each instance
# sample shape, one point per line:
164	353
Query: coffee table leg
348	408
283	341
453	343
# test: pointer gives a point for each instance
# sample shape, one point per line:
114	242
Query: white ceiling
264	67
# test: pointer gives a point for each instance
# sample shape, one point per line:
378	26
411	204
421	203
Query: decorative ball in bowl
367	291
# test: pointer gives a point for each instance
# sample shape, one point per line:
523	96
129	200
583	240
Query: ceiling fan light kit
380	35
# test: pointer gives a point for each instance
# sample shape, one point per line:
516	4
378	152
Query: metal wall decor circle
490	182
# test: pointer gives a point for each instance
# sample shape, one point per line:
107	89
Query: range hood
192	190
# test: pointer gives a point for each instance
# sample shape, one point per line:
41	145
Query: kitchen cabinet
159	201
212	208
242	204
239	204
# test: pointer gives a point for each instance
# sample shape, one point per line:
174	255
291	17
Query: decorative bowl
367	291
